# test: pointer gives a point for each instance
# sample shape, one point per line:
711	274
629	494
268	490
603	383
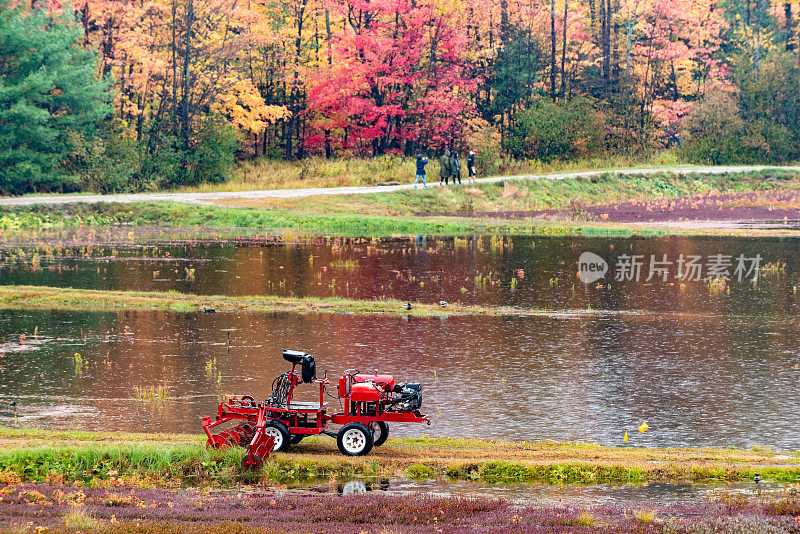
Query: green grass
193	464
279	221
93	463
107	458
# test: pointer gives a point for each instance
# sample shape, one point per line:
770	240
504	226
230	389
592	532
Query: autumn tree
180	66
399	79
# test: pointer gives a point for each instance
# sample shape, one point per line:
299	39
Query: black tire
355	439
279	433
296	438
381	433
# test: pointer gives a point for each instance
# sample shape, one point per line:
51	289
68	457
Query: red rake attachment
258	451
258	442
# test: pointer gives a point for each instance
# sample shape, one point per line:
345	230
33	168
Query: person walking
421	162
444	167
455	168
471	166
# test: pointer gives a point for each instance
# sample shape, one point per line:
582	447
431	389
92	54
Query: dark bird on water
757	479
407	306
209	310
442	303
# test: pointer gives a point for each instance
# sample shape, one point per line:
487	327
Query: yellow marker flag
643	427
625	438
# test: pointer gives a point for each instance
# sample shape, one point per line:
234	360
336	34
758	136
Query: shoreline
158	223
172	460
70	299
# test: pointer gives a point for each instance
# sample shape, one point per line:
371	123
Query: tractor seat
306	405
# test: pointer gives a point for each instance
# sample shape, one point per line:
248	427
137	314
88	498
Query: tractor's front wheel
380	432
355	439
279	433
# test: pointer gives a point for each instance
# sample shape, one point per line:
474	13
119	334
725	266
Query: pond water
528	272
580	495
702	364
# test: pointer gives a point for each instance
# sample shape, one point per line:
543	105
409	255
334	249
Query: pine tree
50	97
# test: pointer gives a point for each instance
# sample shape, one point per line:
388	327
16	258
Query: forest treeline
113	95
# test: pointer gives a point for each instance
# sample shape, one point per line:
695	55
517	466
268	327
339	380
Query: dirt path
214	198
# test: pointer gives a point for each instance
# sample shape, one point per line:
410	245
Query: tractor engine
371	393
408	396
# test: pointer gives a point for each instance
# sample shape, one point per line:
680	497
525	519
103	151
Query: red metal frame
298	420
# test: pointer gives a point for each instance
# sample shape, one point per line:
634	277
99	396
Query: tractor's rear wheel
279	433
252	462
380	432
355	439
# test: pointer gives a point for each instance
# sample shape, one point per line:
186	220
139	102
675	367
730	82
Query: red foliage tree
400	79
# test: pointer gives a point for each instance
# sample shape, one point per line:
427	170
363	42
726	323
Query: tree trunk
614	45
628	44
293	95
174	68
787	11
185	83
605	40
757	52
328	36
553	49
503	21
328	151
564	53
85	22
108	47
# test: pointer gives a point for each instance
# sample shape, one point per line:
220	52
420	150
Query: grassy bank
399	213
285	222
55	298
570	194
321	172
111	458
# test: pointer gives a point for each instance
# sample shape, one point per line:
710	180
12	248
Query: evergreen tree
50	97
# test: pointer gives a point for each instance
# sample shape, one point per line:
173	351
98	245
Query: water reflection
696	379
532	272
661	493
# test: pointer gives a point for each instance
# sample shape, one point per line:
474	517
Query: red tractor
368	403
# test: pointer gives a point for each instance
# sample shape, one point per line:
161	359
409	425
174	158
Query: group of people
449	167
